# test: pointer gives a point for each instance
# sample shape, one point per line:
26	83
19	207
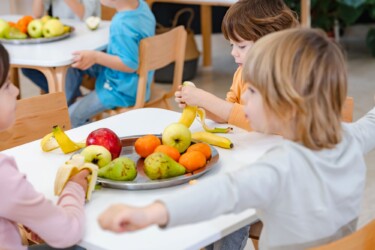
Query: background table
206	19
41	168
53	59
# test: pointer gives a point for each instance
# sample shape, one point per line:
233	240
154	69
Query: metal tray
30	40
142	182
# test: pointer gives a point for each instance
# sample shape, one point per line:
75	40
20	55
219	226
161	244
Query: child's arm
38	8
86	58
77	8
217	109
121	218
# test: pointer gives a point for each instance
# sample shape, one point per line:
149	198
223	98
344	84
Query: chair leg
254	233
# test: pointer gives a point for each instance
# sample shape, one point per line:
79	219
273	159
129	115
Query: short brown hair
253	19
302	77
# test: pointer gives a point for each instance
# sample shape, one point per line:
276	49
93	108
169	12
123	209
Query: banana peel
189	114
58	138
72	167
213	139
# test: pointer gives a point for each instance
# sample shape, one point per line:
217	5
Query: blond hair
253	19
301	75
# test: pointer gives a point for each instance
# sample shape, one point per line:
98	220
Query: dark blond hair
253	19
301	75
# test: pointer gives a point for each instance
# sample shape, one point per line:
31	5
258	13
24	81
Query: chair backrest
156	52
363	239
35	118
347	110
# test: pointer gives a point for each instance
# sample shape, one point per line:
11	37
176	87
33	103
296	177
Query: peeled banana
65	143
189	114
212	139
72	167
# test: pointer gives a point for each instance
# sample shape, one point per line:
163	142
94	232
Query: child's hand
81	178
84	59
121	218
191	96
178	98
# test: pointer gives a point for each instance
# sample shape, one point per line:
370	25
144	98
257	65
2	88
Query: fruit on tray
23	22
4	27
213	139
201	147
168	150
177	135
106	138
145	145
14	33
160	166
93	22
120	169
52	28
97	155
35	28
193	160
189	114
72	167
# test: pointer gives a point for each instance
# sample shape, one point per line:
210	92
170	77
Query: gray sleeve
363	131
92	8
46	4
253	186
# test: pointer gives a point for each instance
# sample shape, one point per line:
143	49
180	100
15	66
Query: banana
49	143
65	143
212	139
72	167
189	114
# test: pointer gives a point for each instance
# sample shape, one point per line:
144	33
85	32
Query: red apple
106	138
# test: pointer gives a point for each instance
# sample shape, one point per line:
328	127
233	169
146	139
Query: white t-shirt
61	9
303	197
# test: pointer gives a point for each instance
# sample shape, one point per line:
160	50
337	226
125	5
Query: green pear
120	169
160	166
14	33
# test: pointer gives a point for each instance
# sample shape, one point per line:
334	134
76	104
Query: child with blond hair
307	189
245	22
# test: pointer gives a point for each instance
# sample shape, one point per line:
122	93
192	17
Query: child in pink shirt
60	225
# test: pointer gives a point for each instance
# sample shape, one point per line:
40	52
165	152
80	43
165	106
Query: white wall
22	7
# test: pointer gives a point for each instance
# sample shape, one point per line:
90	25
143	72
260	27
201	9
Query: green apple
4	27
93	22
96	154
14	33
177	135
35	28
52	28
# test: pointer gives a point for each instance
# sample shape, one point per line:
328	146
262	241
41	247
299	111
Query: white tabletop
41	168
58	53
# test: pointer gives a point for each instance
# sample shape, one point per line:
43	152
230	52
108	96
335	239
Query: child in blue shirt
115	71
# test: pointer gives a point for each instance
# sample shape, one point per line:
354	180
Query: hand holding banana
188	116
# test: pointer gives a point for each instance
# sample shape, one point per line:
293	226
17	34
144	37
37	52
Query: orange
12	24
192	160
23	23
201	147
145	145
168	150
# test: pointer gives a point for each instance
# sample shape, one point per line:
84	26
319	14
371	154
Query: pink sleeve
59	225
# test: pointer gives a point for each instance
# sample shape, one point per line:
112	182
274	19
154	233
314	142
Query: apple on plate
35	28
97	155
52	28
106	138
4	27
178	136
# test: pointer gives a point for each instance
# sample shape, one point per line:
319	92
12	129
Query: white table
53	59
41	169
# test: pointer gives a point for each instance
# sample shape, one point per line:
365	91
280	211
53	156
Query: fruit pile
173	155
28	27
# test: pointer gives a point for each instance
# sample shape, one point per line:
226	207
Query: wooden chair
35	118
346	116
363	239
